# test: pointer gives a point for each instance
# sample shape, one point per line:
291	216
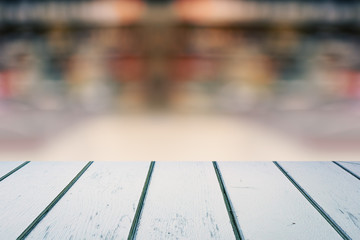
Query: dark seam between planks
351	162
234	224
140	205
331	221
347	170
14	170
53	203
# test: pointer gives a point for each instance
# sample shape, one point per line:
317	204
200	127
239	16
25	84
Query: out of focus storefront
60	53
292	54
198	54
293	65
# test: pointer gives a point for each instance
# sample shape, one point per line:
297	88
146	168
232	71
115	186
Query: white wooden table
180	200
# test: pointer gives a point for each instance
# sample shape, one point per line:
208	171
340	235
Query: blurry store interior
122	80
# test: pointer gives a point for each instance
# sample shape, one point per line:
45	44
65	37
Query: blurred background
292	66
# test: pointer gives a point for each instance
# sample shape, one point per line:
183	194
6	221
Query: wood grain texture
8	166
27	192
354	167
268	206
101	204
184	201
336	191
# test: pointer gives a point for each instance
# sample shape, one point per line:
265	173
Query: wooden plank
101	204
268	206
7	167
184	201
352	167
26	193
333	189
49	207
140	205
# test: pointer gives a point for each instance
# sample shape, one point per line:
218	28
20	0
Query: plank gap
347	170
53	203
140	206
337	228
14	170
235	225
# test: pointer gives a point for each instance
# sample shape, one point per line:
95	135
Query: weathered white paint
354	167
8	166
335	190
184	201
101	204
268	206
27	192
